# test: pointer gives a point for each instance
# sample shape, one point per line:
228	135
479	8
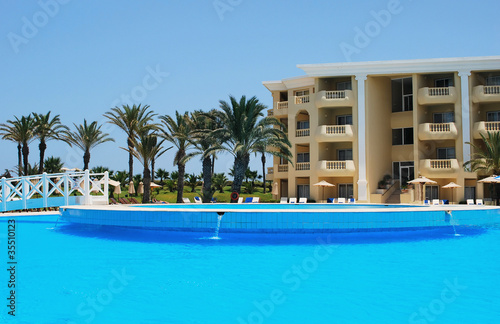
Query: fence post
4	195
66	189
106	186
86	188
45	185
24	193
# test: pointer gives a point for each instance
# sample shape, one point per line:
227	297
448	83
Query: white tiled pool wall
281	221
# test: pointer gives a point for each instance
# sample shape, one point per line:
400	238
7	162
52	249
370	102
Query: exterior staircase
395	197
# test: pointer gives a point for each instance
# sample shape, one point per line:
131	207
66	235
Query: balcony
441	131
281	109
303	166
282	167
485	127
436	96
439	168
336	168
340	98
302	132
270	113
299	100
334	133
270	174
486	93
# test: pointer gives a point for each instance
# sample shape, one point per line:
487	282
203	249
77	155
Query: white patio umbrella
117	191
492	179
323	184
275	189
154	185
112	182
423	181
131	188
452	185
140	188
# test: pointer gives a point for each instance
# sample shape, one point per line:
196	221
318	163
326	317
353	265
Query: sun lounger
255	199
330	200
352	200
293	200
197	200
133	200
186	200
470	201
213	200
427	202
248	199
283	200
479	202
240	200
302	200
113	201
156	201
435	202
124	201
341	200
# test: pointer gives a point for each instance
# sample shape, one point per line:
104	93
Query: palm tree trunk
206	190
26	153
19	159
42	147
263	159
213	164
180	182
240	166
146	198
86	159
130	161
153	169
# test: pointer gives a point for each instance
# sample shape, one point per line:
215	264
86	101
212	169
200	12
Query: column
464	87
362	183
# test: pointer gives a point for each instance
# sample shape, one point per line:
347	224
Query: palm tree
192	181
145	148
53	164
244	133
86	137
21	131
177	132
102	169
220	181
163	174
486	158
121	177
11	133
132	120
46	129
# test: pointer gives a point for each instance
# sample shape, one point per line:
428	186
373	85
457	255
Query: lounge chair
302	200
255	199
341	200
479	202
113	201
186	200
133	200
124	201
156	201
283	200
352	200
197	200
470	201
435	202
248	199
427	202
240	200
330	200
293	200
213	200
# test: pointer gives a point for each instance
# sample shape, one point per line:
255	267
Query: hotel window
444	117
493	116
445	153
443	83
303	124
402	136
344	86
301	93
494	80
344	155
402	94
469	193
346	190
302	157
344	120
303	191
431	192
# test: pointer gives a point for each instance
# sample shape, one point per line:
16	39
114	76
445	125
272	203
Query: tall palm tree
46	129
132	120
12	133
163	174
244	132
53	164
145	149
20	130
177	132
486	158
86	137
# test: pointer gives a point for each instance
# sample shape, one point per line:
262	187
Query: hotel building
351	124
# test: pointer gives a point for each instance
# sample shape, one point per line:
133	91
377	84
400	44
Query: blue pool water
86	274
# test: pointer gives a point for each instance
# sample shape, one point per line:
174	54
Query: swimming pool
77	273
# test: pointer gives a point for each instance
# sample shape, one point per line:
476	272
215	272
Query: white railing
440	164
302	132
282	105
439	91
338	94
283	168
303	166
440	128
492	89
335	129
54	190
492	126
301	99
336	165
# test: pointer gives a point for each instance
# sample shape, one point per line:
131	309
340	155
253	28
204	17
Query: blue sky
80	58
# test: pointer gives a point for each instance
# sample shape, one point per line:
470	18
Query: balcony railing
486	93
336	98
283	168
338	94
485	127
336	165
334	133
302	99
440	164
440	128
302	132
282	105
336	168
439	168
437	131
303	166
439	91
335	129
431	96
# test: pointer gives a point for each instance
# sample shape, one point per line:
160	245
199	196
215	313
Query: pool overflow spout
449	218
219	219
